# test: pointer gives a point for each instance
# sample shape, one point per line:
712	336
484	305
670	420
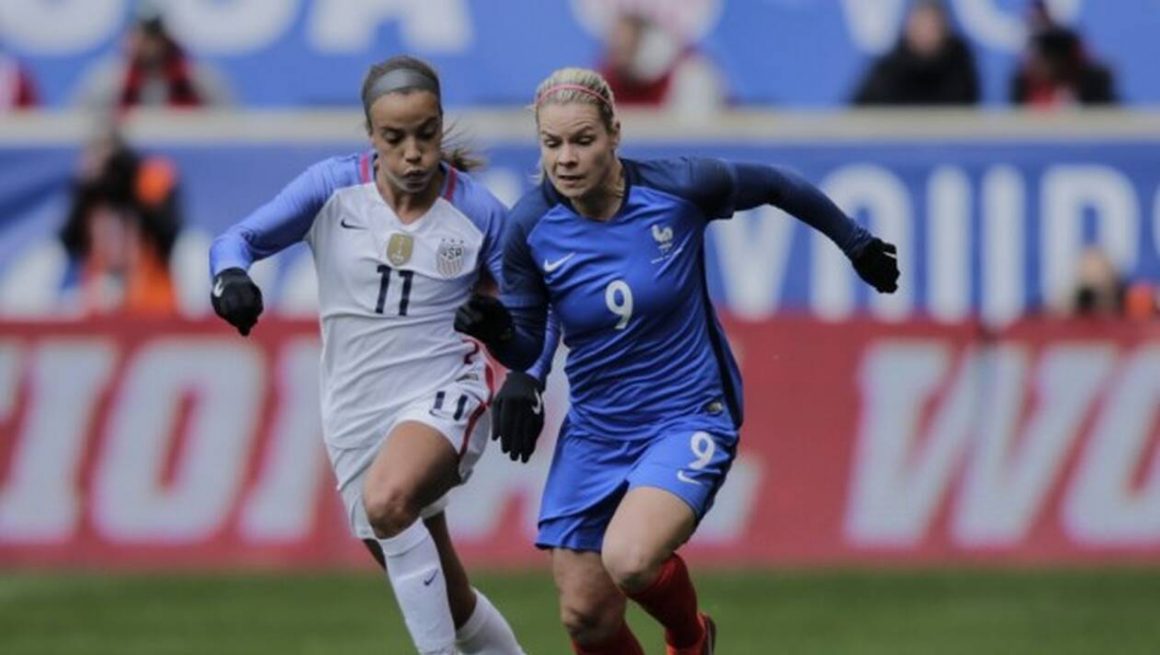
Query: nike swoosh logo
351	226
551	266
429	579
218	288
539	405
685	478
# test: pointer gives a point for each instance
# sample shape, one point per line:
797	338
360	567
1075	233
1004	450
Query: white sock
486	632
417	578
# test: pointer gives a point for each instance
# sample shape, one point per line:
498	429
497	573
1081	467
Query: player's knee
630	566
390	510
589	623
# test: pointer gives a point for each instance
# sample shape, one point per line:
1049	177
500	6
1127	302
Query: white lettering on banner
897	483
235	27
299	297
1014	465
431	26
476	510
39	501
30	285
226	382
191	271
1156	224
282	505
1010	463
875	26
1104	506
1070	192
1002	276
752	254
882	196
59	27
948	253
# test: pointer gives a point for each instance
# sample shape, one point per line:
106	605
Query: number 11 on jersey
385	284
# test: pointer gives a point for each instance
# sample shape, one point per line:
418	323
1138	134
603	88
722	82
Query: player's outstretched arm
236	299
875	260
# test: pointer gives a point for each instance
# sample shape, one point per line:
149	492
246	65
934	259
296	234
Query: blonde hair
577	85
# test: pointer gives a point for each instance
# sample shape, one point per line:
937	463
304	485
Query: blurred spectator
1101	290
119	234
1057	70
153	70
648	66
17	90
930	64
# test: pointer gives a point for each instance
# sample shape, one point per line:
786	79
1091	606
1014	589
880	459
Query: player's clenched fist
484	318
877	264
517	415
237	299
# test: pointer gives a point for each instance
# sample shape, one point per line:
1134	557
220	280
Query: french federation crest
663	237
449	257
399	248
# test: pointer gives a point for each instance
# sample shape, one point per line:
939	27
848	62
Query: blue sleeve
543	365
759	184
275	226
489	214
524	293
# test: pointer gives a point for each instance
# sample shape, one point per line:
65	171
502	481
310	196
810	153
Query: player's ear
614	133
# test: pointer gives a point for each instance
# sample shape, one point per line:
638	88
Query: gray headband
401	79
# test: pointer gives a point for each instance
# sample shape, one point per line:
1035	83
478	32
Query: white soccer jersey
388	291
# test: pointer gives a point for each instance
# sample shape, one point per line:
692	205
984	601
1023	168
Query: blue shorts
589	476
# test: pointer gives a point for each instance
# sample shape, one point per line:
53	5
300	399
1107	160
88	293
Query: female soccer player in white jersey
399	235
614	247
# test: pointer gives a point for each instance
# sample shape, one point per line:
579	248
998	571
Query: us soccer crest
399	248
449	257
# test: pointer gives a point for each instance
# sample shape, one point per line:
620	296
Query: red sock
672	600
622	643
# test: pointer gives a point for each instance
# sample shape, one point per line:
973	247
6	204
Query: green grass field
843	612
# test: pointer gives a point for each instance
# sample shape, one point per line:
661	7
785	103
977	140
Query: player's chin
571	187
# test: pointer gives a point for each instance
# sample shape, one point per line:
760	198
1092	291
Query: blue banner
984	228
493	52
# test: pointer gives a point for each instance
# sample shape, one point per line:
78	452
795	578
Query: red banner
181	444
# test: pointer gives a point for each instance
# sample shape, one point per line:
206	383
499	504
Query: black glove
877	264
237	299
486	319
517	415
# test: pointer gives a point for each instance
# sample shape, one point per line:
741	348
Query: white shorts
458	412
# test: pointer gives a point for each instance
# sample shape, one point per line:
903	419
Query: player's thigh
648	526
416	460
432	446
672	486
588	598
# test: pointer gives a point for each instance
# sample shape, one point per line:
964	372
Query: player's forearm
759	184
543	365
526	346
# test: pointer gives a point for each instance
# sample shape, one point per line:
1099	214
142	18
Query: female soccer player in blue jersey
614	247
400	236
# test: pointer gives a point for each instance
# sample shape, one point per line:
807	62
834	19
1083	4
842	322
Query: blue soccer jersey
645	346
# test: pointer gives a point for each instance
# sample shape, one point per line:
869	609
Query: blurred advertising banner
988	225
134	444
290	53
